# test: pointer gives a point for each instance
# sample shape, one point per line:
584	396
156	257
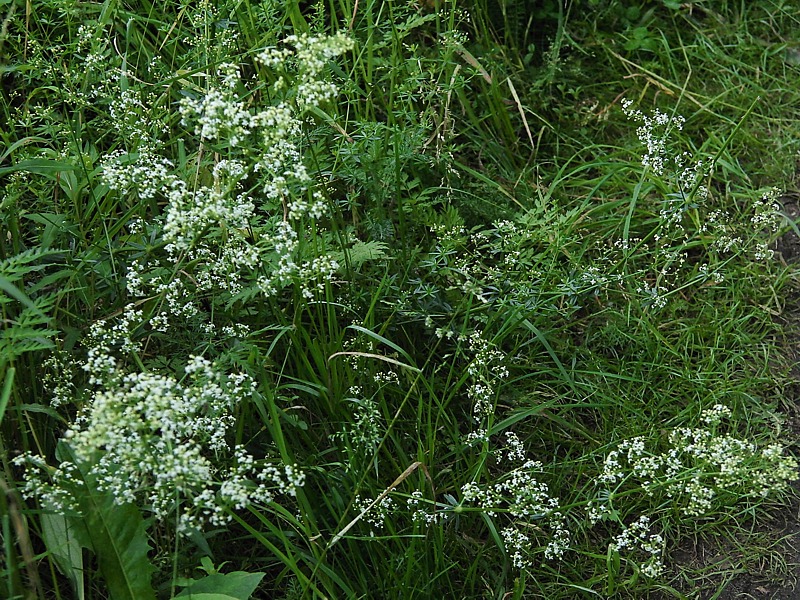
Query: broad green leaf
117	535
228	586
58	532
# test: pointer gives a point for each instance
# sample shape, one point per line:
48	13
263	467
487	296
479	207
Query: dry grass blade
400	479
378	356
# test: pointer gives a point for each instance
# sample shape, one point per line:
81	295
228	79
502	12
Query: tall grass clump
393	299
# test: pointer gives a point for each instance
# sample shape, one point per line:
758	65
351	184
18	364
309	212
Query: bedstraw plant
393	299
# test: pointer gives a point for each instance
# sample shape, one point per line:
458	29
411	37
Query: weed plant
464	299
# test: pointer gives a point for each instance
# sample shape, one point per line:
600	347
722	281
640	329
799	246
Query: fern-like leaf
362	252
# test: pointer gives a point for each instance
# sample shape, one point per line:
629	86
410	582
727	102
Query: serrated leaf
9	349
15	267
238	585
361	252
244	296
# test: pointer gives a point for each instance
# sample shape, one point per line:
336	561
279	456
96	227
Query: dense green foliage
394	299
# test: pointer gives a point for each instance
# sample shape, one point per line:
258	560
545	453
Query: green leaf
15	267
229	586
362	252
612	567
383	340
19	143
43	409
58	532
12	290
6	393
117	535
42	166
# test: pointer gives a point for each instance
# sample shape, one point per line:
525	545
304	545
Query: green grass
505	264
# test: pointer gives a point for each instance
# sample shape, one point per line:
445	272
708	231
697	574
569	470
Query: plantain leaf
117	535
229	586
59	537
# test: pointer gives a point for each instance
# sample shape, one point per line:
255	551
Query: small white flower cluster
713	416
766	211
449	234
105	339
626	245
280	125
654	296
92	45
180	303
766	219
221	116
762	251
454	38
51	485
191	212
313	274
419	515
518	546
131	113
149	438
729	237
210	226
707	273
524	498
58	380
375	516
87	34
685	175
366	429
592	278
637	538
515	450
311	54
485	370
208	41
599	509
387	377
310	275
136	226
237	330
653	133
725	237
700	466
